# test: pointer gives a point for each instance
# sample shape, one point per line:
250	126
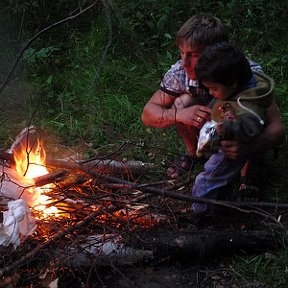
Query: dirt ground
170	275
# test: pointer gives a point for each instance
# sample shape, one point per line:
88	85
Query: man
188	113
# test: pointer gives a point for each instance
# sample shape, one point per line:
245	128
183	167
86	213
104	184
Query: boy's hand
233	149
219	129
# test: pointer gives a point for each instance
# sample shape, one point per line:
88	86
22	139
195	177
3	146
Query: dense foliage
88	79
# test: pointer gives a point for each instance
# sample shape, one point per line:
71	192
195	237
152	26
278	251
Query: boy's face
189	57
218	90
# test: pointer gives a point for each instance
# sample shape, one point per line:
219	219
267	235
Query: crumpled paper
208	141
17	222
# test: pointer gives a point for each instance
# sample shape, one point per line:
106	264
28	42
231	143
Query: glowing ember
30	163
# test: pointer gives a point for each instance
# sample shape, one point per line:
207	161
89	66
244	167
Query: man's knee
183	101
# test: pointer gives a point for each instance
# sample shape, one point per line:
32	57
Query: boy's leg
247	191
219	171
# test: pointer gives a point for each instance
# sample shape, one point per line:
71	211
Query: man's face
189	57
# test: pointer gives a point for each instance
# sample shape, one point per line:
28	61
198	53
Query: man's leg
255	175
189	135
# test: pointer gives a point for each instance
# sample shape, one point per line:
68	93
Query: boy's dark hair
223	63
202	30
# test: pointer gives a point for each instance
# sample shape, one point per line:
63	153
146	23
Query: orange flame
30	163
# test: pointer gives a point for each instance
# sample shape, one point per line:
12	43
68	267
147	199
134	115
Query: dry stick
49	178
88	169
176	195
229	204
36	36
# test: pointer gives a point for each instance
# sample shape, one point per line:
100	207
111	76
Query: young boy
241	98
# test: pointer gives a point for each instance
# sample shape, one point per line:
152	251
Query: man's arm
163	110
271	137
159	112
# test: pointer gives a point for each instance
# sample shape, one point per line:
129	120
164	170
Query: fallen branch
102	166
90	169
195	246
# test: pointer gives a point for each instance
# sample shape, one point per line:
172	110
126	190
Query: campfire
30	163
67	202
90	212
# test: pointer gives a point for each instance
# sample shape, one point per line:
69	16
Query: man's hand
195	115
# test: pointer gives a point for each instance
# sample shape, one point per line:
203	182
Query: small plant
32	56
268	269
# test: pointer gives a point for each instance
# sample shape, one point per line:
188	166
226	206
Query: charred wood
187	246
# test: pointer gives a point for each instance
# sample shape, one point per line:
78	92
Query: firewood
106	166
49	178
195	246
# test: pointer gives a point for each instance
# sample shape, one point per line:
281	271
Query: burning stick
49	178
104	166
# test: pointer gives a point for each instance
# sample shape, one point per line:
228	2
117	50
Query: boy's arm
271	137
243	129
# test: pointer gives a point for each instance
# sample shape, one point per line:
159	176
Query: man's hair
201	31
223	63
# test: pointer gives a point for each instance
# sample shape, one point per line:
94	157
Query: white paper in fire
14	186
17	222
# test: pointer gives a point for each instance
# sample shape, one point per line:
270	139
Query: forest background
86	79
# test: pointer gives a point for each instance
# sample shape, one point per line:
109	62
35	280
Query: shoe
248	192
190	218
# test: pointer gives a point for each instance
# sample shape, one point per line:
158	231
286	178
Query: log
183	245
49	178
200	245
106	166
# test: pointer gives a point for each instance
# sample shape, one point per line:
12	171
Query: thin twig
229	204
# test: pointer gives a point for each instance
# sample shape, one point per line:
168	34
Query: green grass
267	270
